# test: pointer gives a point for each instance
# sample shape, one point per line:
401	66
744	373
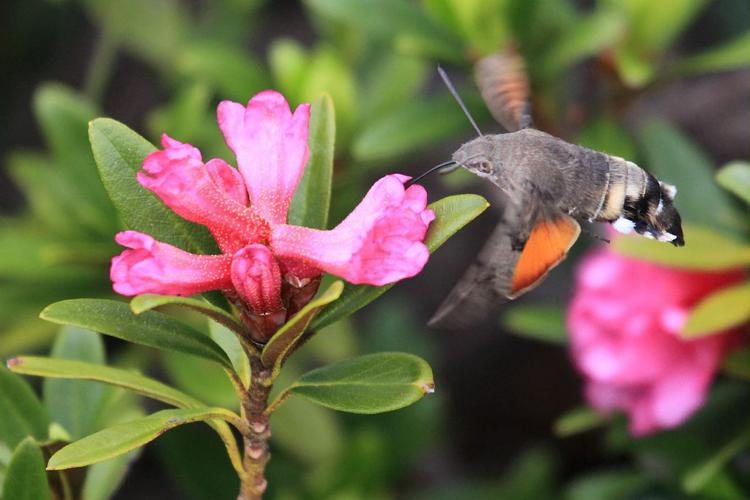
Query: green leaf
737	363
608	135
307	431
578	420
415	125
451	214
286	339
373	383
230	343
231	71
735	177
704	250
146	302
545	323
720	311
154	30
653	26
22	413
392	81
64	116
119	153
79	370
74	404
288	61
151	328
132	381
610	484
121	438
675	159
104	478
25	478
698	476
587	37
312	197
732	54
399	22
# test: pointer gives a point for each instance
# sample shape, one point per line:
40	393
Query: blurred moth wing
504	86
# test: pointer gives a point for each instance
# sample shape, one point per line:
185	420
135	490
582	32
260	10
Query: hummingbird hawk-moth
552	187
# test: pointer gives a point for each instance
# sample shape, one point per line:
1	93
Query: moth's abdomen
627	185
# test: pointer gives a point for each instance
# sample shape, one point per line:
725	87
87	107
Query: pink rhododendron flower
269	268
625	321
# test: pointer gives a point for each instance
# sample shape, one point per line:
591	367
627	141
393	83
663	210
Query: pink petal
228	179
270	144
153	267
256	277
380	242
208	195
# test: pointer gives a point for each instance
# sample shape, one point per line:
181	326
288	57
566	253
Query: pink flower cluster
267	267
625	322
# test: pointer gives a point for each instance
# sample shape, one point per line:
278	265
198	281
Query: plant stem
256	439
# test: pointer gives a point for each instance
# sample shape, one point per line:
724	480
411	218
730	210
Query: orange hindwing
548	243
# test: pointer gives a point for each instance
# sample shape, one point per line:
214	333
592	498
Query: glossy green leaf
699	476
22	413
151	328
121	438
286	339
312	197
704	249
673	158
720	311
230	343
74	404
132	381
119	153
451	214
735	178
79	370
415	125
146	302
578	420
544	323
733	54
25	478
737	363
373	383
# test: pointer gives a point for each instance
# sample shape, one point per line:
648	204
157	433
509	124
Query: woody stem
256	439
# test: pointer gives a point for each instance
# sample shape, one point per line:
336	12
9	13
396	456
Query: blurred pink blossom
267	267
624	323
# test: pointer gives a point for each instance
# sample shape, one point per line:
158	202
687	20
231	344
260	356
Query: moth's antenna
458	99
436	167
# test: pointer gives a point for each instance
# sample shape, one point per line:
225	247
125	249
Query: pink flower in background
624	323
267	267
